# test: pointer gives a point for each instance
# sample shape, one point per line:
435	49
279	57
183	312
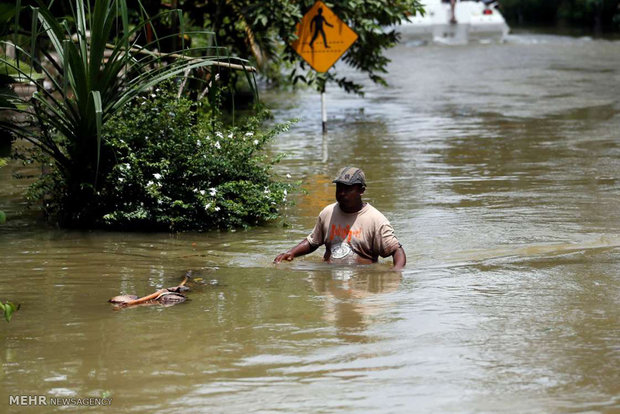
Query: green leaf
8	309
96	99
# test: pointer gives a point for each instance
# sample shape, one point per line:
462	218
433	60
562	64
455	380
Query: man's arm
304	247
400	259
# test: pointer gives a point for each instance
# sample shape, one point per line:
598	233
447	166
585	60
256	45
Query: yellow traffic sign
322	37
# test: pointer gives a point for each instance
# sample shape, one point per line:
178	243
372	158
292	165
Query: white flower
219	134
285	192
157	90
266	190
150	183
217	208
217	145
249	134
207	206
153	95
212	191
121	179
230	135
157	176
288	176
195	190
255	142
202	192
127	166
198	142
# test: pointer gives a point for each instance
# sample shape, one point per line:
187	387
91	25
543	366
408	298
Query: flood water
498	166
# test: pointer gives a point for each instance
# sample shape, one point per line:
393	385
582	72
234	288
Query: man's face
349	196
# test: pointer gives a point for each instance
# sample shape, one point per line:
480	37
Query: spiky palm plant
83	86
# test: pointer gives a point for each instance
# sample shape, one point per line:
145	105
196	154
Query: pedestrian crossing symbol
322	38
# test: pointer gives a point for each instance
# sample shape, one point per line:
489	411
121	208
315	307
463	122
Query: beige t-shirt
367	234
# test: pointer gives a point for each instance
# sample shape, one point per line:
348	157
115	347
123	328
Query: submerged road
497	164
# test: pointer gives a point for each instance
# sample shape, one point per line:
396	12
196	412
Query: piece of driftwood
167	297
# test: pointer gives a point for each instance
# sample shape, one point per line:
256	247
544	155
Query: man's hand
288	256
302	248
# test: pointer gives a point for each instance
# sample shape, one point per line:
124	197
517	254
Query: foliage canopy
599	15
265	29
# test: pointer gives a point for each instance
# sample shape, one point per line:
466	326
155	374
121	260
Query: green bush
174	168
90	65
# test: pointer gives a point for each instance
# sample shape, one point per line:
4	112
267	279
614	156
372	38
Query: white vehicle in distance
474	20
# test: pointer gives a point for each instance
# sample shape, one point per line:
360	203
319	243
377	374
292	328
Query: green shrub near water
174	168
95	62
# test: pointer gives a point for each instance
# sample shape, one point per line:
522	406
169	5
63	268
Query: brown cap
350	176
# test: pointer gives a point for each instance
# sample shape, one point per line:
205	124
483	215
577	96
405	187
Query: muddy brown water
498	165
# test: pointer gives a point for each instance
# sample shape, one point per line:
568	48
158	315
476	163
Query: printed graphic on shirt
340	250
344	233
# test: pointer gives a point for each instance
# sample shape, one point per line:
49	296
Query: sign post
322	38
323	112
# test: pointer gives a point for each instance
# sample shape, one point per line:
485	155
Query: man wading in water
351	230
